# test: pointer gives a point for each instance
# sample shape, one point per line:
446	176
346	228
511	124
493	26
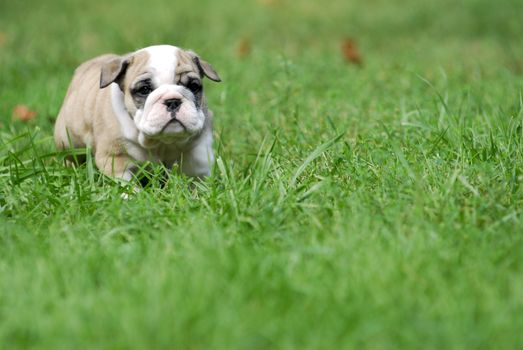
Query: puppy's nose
173	104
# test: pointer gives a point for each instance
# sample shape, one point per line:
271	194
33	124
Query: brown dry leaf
350	51
23	113
3	39
244	48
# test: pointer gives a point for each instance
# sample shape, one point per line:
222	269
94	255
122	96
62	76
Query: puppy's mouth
173	120
173	106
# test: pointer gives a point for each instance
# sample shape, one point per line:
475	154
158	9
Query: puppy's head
162	91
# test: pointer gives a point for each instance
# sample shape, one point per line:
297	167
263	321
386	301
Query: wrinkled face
163	93
166	92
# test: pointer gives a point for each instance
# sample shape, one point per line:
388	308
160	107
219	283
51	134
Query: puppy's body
147	105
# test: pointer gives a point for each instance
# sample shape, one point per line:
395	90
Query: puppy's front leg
198	161
118	166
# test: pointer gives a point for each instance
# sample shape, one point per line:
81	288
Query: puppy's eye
144	90
195	86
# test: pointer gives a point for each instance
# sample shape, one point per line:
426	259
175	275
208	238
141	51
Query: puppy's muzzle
173	105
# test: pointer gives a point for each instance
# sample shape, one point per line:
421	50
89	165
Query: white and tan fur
106	110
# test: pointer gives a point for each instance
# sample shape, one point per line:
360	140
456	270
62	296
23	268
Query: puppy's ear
205	67
113	70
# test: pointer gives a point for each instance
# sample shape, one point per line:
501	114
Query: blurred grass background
404	234
44	41
441	41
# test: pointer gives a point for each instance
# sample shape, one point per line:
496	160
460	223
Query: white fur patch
127	125
129	130
163	62
198	161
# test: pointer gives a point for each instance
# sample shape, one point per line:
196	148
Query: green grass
351	207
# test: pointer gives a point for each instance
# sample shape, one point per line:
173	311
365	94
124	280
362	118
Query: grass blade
311	157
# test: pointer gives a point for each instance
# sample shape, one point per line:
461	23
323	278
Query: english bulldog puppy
147	105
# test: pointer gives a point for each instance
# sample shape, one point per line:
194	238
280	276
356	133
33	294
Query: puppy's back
81	104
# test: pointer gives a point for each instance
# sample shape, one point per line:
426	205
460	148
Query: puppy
148	105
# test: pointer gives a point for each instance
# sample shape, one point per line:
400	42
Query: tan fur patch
185	66
137	67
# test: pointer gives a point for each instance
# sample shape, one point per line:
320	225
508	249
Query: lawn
372	206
